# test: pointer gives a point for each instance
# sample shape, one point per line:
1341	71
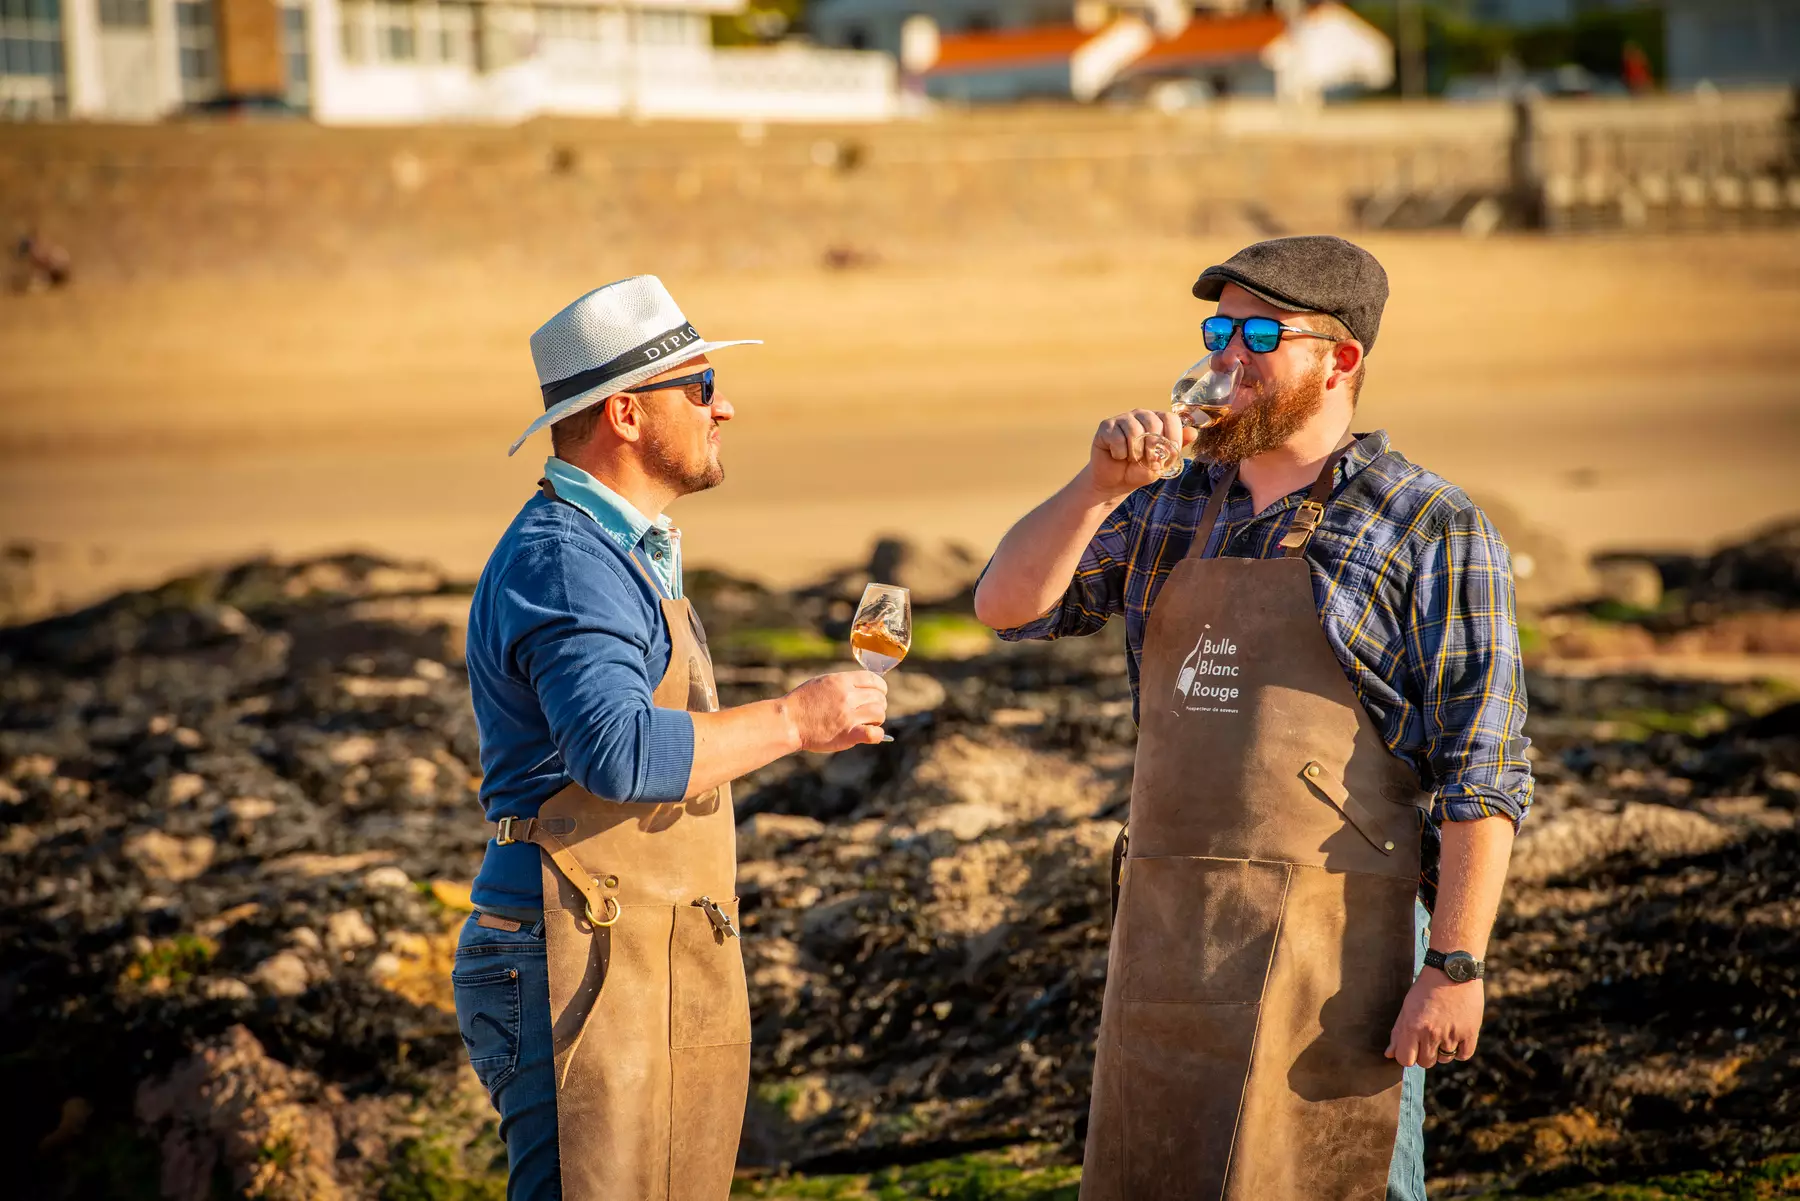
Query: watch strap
1435	958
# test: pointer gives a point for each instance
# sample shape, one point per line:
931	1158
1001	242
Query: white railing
777	84
696	83
26	97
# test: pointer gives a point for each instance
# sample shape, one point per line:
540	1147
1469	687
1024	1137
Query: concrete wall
298	197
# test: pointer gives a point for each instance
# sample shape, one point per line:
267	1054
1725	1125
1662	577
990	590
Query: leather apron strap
1306	518
602	908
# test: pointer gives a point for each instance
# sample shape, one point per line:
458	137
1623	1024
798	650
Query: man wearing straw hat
599	984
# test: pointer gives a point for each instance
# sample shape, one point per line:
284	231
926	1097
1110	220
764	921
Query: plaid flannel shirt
1414	591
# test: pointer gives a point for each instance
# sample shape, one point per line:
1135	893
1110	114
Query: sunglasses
703	378
1261	334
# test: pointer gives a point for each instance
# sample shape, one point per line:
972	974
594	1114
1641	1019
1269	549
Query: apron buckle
611	906
1306	519
505	838
718	917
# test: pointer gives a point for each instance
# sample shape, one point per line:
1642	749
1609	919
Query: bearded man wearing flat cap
599	983
1324	661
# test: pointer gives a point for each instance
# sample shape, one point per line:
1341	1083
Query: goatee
686	478
1266	423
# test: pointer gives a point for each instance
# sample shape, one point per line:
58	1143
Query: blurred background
306	245
270	273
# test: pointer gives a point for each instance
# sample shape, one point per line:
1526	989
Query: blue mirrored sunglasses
1261	334
703	378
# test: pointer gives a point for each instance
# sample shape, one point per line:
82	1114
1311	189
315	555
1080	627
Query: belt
529	917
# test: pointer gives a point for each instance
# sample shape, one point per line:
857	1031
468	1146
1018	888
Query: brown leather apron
1264	937
648	1000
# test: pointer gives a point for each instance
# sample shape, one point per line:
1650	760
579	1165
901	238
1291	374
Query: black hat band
641	355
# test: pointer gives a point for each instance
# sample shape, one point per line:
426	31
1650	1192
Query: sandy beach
1624	391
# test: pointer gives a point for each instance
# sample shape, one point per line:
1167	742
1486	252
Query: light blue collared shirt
658	540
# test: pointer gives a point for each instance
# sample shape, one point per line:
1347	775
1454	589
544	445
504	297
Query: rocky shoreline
240	819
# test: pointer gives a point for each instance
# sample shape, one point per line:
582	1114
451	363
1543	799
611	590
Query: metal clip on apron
1263	942
640	909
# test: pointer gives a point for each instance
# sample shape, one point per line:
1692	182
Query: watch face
1460	967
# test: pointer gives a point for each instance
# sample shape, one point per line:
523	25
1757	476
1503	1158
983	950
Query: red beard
1265	424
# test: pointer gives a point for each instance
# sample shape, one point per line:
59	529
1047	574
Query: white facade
411	61
1327	49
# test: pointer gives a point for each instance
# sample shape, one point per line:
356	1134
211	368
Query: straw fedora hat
612	339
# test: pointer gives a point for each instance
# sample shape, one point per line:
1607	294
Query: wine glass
881	631
1200	397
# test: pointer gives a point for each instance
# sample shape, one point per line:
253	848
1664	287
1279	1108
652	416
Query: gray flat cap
1315	273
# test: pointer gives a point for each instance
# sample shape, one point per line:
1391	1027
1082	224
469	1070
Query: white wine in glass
1200	398
881	631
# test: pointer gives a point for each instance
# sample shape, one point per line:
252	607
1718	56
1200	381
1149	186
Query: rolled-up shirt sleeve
1096	593
1463	655
581	633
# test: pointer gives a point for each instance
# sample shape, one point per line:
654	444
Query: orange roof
1002	49
1213	39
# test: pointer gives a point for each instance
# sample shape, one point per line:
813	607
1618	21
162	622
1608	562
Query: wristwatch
1460	966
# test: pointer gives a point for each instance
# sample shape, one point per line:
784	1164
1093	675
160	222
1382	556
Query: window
856	37
295	55
456	34
448	33
396	39
398	31
33	82
573	24
199	51
125	14
510	35
657	27
352	33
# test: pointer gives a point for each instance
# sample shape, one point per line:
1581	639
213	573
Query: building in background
1303	58
876	24
1733	43
1059	62
1326	50
405	61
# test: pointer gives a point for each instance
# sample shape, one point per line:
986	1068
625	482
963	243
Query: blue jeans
502	988
1406	1175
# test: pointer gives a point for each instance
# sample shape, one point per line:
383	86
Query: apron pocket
709	1053
1182	1073
1198	930
709	998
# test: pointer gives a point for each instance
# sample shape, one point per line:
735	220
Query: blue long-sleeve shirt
566	644
1414	591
